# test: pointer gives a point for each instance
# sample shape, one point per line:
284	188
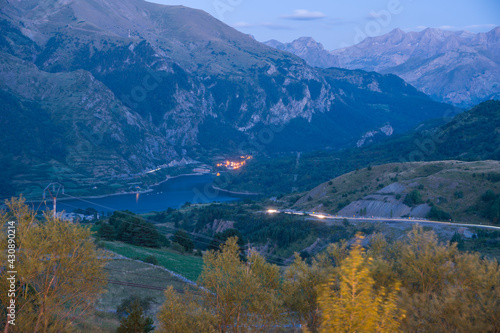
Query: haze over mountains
103	89
457	67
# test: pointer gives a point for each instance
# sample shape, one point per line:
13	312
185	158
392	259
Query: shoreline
236	193
100	196
182	175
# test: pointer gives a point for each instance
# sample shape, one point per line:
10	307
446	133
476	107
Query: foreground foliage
350	303
59	272
411	285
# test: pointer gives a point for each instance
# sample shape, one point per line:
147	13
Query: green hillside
410	189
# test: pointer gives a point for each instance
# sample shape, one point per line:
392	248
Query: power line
268	257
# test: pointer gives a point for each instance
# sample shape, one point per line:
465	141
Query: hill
408	189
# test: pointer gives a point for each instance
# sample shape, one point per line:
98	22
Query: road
323	216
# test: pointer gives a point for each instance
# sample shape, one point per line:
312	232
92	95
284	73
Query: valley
211	182
114	106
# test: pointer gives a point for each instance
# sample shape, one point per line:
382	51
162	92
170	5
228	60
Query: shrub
178	247
182	238
413	198
438	214
151	260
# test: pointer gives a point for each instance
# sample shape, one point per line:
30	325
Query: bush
178	247
134	318
413	198
151	260
182	238
130	228
222	237
488	196
438	214
458	239
123	309
342	204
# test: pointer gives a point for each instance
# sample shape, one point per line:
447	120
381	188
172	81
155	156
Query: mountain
111	90
470	136
460	67
308	49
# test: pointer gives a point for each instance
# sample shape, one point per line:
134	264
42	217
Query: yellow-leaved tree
237	297
350	303
445	290
59	272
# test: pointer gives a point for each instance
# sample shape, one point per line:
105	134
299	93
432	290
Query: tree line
415	284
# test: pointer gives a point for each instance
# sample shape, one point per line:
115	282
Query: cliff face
461	68
123	87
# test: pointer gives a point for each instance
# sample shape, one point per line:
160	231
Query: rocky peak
457	67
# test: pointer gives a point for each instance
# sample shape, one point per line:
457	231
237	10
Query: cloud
373	16
304	15
480	26
268	25
451	27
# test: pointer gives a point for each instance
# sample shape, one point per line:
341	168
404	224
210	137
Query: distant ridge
457	67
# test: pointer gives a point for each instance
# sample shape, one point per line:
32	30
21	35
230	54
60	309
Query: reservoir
173	193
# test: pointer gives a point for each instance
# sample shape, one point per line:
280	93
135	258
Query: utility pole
56	187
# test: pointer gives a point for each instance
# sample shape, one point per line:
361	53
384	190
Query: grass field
186	265
104	319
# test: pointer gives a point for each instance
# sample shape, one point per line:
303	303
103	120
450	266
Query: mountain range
472	135
457	67
97	90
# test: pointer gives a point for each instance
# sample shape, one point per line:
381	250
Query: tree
221	237
59	269
413	198
302	282
244	292
238	296
184	314
126	304
135	321
350	303
181	237
446	290
133	229
106	231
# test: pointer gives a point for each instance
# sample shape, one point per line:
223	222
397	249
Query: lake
173	193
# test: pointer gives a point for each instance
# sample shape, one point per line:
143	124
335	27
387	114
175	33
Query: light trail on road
324	217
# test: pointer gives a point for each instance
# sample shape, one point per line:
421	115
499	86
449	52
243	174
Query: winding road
323	216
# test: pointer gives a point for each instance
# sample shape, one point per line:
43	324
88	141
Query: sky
341	23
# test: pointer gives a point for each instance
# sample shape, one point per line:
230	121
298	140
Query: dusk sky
338	23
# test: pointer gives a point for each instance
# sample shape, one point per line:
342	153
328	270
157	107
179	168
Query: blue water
172	193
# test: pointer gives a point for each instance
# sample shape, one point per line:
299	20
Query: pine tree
106	231
136	321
